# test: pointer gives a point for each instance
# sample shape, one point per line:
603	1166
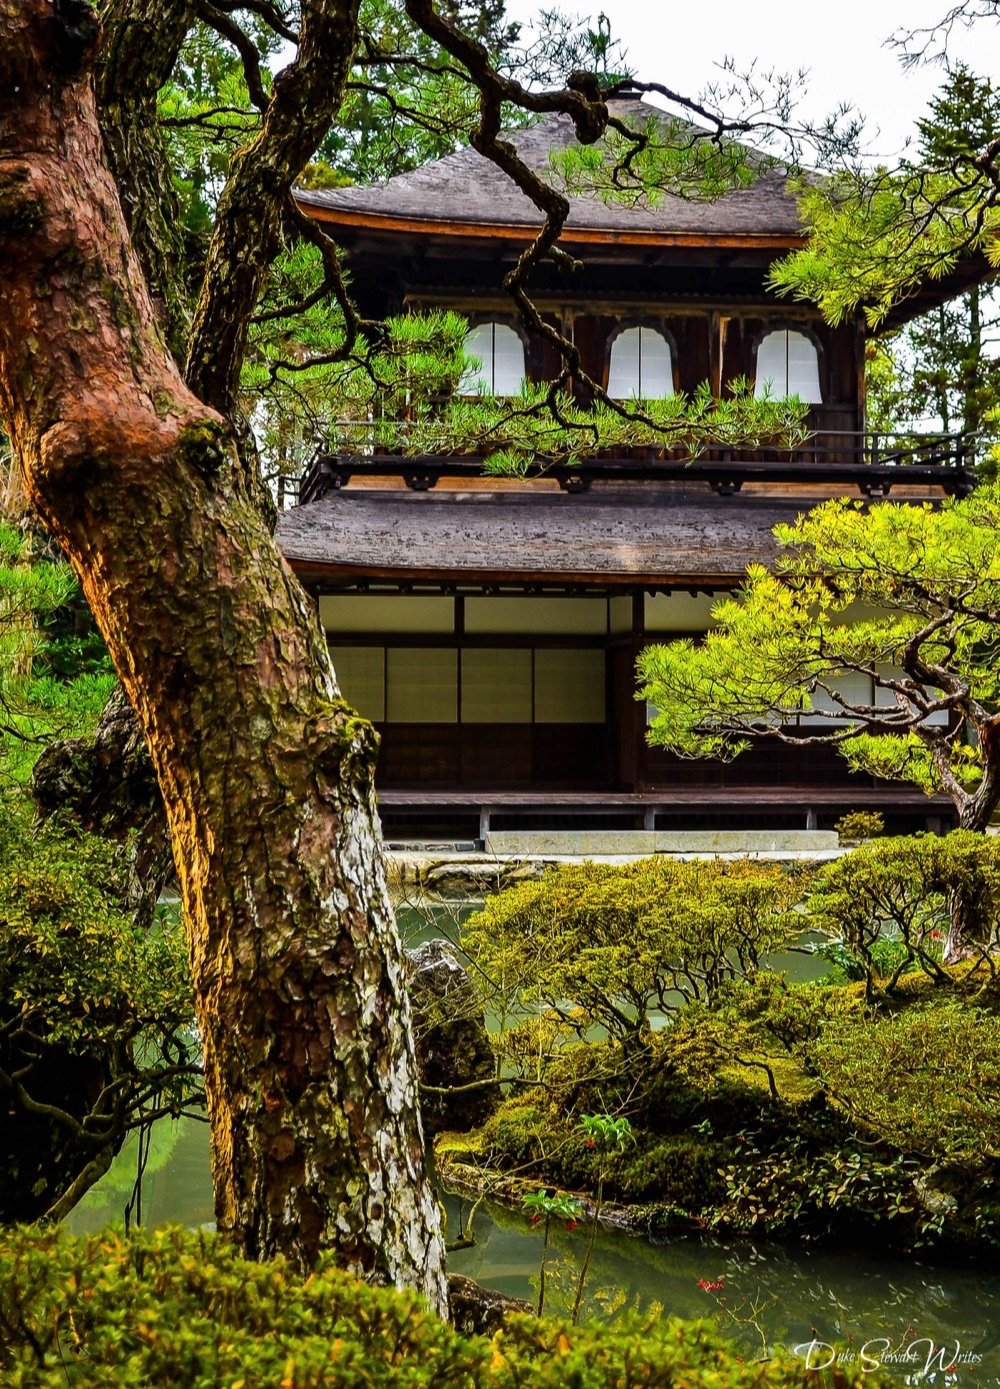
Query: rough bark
265	773
142	39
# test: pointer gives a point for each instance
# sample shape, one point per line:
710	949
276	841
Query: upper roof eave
628	535
526	231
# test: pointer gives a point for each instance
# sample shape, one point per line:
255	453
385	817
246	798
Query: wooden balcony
872	462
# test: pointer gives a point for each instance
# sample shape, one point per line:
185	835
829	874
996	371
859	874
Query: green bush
513	1135
797	1190
46	689
888	957
603	946
681	1171
182	1309
908	890
859	825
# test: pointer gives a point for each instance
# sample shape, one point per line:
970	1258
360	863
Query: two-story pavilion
490	628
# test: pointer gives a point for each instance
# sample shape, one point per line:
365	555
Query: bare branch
930	43
269	13
229	30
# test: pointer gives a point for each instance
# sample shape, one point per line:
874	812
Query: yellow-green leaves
875	236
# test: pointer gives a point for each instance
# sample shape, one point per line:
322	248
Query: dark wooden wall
495	757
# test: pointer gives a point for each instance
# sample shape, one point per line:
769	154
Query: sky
840	42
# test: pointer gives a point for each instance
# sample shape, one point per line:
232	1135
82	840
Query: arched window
501	353
640	365
788	364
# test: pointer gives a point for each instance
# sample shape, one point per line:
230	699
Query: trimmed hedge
181	1310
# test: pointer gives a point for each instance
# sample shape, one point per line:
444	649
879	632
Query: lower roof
645	535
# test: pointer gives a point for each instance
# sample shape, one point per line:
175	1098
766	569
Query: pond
885	1307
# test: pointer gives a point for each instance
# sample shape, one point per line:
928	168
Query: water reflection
777	1295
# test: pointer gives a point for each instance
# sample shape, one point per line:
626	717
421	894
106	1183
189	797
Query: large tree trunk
266	774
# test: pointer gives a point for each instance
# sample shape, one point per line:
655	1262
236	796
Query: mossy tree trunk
266	774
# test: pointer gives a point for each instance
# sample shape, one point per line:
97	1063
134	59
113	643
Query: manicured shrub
682	1172
912	891
925	1079
514	1134
606	946
178	1310
859	825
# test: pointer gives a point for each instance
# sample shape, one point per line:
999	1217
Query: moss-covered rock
456	1061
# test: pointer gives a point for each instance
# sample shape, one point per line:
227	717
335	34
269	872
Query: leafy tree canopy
97	1034
54	673
602	945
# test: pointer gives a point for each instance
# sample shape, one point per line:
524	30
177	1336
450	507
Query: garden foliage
54	672
651	992
606	946
890	904
876	635
174	1309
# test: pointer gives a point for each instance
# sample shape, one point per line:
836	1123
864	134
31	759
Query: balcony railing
874	462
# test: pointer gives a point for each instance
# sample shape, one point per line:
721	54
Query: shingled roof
467	189
607	535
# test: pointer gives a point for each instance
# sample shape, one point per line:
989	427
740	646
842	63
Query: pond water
930	1326
770	1295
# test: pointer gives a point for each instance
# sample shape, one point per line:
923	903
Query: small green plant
541	1209
888	958
609	1134
860	825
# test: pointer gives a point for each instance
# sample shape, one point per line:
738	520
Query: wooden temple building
489	628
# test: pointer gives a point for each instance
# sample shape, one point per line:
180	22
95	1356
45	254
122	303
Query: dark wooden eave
524	232
616	537
463	205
